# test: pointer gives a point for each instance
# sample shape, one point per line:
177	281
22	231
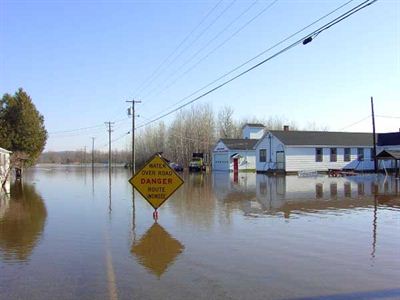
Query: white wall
247	161
249	132
4	164
222	161
264	143
220	157
303	158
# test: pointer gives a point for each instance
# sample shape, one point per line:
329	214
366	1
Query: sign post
156	181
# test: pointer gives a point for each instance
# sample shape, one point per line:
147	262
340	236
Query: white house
237	154
294	151
253	131
4	166
234	155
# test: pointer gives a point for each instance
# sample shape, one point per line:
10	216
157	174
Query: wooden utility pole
92	153
132	113
374	135
84	155
109	144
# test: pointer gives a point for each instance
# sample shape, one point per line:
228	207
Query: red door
235	165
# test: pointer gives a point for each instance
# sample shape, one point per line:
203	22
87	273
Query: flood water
65	233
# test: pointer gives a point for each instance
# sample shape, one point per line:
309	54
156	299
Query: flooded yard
67	233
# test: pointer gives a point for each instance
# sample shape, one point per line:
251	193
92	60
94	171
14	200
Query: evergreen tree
21	126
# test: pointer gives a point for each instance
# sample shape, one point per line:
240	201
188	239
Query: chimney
285	127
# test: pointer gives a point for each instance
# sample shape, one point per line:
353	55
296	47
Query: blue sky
80	61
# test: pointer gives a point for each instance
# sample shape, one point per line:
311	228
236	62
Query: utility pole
109	144
132	113
84	155
374	135
93	152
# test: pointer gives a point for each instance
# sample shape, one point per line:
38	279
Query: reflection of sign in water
156	181
157	249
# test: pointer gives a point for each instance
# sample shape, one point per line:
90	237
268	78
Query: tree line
195	129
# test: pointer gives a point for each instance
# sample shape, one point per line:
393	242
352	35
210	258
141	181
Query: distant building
252	131
294	151
237	154
4	166
388	149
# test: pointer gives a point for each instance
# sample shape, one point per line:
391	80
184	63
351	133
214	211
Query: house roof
259	125
323	138
239	144
389	154
4	150
389	139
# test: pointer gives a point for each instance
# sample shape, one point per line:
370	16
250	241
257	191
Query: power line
198	36
258	55
76	129
313	34
217	47
355	123
141	85
387	117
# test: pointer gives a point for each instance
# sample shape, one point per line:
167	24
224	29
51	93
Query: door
235	165
280	160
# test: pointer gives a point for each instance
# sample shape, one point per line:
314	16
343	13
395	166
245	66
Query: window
360	154
318	154
333	155
263	155
347	153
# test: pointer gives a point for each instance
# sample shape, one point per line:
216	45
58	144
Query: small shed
234	155
393	155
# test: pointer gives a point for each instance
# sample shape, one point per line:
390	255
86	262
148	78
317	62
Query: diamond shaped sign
156	181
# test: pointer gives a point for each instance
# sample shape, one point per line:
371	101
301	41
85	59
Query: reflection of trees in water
22	224
157	249
194	202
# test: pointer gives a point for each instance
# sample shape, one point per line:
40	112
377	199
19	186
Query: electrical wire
214	49
197	37
387	117
258	55
140	86
312	34
355	123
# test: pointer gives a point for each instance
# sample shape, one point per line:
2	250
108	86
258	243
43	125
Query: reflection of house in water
21	222
4	202
285	194
157	249
234	188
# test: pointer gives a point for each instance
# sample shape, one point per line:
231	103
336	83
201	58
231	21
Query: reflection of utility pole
133	216
132	113
109	145
109	193
374	226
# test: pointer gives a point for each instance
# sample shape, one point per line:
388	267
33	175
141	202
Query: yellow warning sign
156	181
